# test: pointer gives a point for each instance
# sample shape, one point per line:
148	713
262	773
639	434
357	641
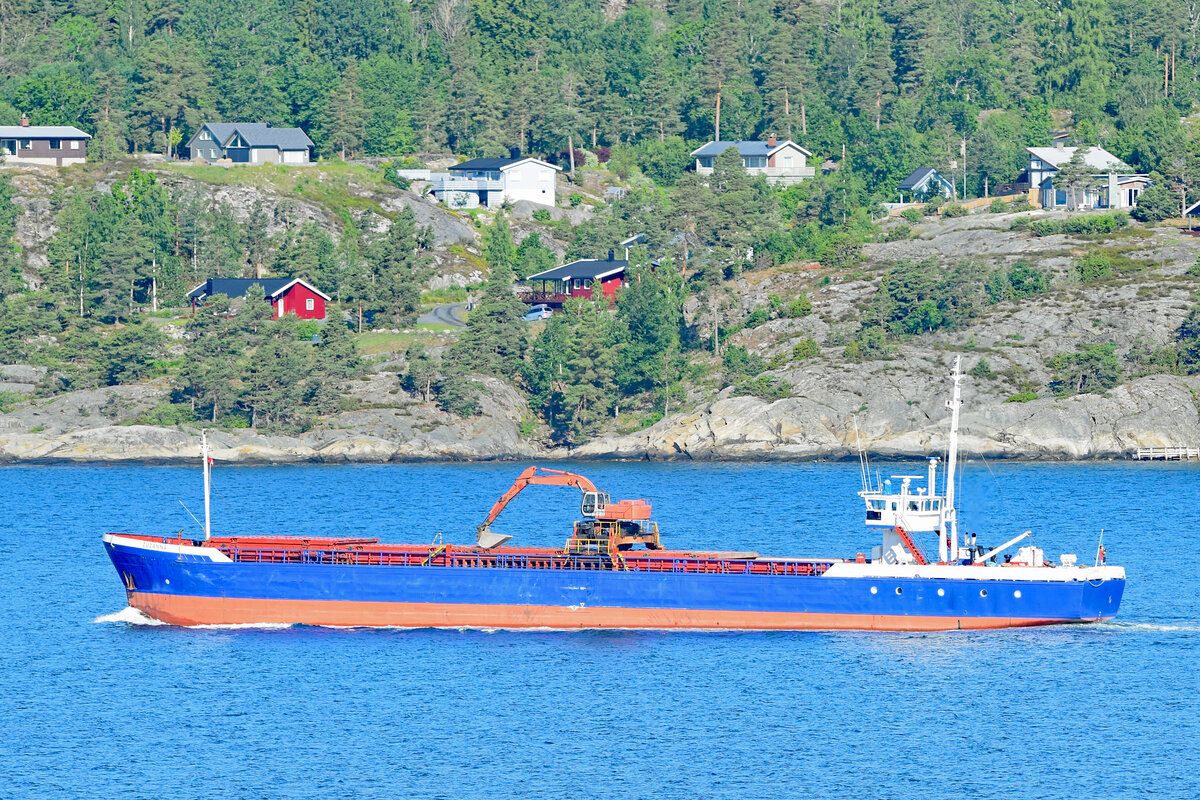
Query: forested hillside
898	84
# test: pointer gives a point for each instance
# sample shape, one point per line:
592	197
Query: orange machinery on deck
608	526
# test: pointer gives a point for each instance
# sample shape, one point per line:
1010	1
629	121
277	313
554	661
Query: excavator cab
593	504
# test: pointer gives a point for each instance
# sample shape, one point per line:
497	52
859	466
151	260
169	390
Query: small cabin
286	295
578	280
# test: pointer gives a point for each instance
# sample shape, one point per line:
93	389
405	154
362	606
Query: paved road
447	314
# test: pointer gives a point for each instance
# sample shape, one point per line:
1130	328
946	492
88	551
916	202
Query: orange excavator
607	526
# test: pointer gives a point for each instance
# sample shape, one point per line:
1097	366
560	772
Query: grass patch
327	183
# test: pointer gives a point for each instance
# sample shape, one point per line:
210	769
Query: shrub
805	349
306	329
869	343
391	175
998	206
897	233
1091	369
757	317
542	215
739	363
912	215
575	198
1020	205
1021	397
770	389
166	414
1156	203
1194	269
801	306
982	369
1082	224
1093	267
955	210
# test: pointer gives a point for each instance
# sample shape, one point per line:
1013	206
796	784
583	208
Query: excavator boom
534	475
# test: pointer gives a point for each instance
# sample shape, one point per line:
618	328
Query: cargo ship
614	572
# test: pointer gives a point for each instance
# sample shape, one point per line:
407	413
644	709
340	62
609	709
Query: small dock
1167	454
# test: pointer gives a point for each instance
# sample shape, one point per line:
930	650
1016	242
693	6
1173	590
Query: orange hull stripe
182	610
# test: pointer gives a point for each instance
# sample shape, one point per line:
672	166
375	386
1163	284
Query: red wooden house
287	295
577	280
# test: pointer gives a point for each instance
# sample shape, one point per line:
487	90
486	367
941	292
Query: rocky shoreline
1155	411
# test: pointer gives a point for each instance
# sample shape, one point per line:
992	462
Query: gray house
249	143
783	163
923	183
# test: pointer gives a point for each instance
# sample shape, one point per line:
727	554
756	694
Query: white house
249	143
1113	183
783	163
52	145
489	182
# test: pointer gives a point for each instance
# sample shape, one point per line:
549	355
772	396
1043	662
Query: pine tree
494	340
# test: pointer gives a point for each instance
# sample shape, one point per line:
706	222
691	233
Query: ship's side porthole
874	590
983	592
167	581
941	592
1017	594
899	590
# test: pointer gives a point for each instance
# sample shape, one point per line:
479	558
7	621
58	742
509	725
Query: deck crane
608	526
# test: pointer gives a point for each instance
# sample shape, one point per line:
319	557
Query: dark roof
236	287
916	178
583	268
487	163
747	148
261	134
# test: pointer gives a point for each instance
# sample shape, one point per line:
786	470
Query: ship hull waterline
194	611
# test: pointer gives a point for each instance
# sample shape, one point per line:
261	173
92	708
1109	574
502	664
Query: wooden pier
1168	453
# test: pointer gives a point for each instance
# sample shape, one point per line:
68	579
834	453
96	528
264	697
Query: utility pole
718	125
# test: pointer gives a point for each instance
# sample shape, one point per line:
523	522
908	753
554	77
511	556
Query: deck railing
629	561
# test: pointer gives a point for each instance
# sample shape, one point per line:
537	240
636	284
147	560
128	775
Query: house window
204	137
706	161
212	153
74	144
308	304
787	162
27	144
56	144
754	161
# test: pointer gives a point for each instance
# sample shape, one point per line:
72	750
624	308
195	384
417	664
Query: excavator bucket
486	539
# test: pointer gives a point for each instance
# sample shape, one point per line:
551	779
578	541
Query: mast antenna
954	404
864	468
207	483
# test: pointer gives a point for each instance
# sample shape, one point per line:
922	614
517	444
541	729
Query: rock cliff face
391	426
894	421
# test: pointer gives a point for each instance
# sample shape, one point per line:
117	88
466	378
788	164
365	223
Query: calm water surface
93	705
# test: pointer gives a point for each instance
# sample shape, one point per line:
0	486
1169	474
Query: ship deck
371	552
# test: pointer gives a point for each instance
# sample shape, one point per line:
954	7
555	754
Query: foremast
951	514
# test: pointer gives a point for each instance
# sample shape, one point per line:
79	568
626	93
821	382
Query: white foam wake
130	616
1150	626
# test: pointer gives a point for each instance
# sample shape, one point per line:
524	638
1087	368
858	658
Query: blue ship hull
188	588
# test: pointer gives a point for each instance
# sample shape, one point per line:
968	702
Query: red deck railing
630	561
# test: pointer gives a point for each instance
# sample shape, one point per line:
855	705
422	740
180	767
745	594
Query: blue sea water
93	704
